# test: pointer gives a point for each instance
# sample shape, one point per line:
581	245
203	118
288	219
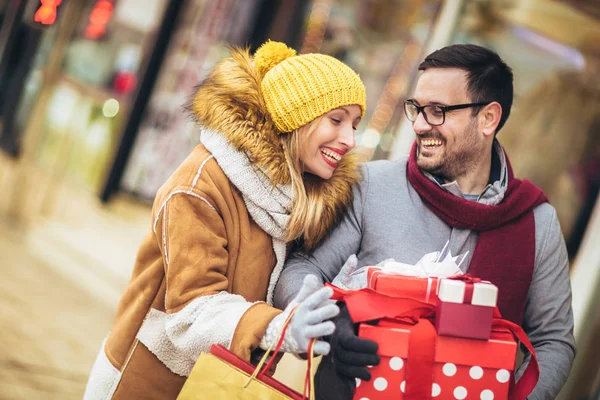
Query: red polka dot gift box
462	368
417	363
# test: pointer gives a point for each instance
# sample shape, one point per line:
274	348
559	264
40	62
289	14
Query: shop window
91	95
25	50
167	134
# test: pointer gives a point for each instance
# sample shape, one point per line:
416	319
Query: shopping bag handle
309	381
309	391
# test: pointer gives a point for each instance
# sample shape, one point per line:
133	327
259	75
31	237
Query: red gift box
420	289
410	347
465	308
463	368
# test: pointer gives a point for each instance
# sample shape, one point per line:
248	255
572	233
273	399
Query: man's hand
350	354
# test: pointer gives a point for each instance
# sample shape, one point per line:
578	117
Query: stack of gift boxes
469	360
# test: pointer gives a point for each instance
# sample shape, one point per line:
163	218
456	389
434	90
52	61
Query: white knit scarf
269	205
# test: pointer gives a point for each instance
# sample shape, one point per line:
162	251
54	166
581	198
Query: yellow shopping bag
220	374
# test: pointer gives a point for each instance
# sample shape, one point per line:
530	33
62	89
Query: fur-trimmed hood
230	102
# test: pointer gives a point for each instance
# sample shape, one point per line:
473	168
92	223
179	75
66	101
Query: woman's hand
310	321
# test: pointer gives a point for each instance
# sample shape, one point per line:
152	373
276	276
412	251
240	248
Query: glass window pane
167	134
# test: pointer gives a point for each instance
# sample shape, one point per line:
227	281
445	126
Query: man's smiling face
453	148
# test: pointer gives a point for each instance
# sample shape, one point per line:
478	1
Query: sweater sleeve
548	314
199	310
326	261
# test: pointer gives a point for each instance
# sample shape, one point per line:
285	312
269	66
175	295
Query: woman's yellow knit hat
298	89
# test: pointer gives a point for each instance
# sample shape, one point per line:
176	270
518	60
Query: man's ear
490	116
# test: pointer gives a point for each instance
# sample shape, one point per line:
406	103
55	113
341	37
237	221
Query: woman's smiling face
322	150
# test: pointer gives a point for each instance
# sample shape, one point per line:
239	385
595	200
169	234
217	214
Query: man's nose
421	125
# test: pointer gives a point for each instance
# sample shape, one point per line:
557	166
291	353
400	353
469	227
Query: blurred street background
92	123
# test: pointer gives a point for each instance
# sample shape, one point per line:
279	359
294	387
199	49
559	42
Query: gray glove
349	278
310	320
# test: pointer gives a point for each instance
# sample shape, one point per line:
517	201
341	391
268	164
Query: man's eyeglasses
434	115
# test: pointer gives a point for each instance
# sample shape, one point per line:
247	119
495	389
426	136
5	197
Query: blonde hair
308	205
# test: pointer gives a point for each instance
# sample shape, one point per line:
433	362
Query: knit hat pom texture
270	54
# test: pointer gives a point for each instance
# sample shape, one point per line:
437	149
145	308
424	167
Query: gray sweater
388	219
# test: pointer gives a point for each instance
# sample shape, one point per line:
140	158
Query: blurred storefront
167	134
92	95
381	40
553	134
25	48
102	112
79	82
86	77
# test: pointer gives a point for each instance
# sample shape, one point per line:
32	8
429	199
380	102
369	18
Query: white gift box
453	291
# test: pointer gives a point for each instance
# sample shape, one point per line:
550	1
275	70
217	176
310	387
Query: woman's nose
347	138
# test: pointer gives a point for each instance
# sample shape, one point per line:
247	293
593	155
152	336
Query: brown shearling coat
202	248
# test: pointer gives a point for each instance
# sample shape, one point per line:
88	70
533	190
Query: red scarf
505	250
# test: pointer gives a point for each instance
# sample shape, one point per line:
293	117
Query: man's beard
461	159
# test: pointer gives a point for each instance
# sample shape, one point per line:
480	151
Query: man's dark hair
488	77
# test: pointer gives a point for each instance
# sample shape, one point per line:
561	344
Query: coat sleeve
199	311
548	314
